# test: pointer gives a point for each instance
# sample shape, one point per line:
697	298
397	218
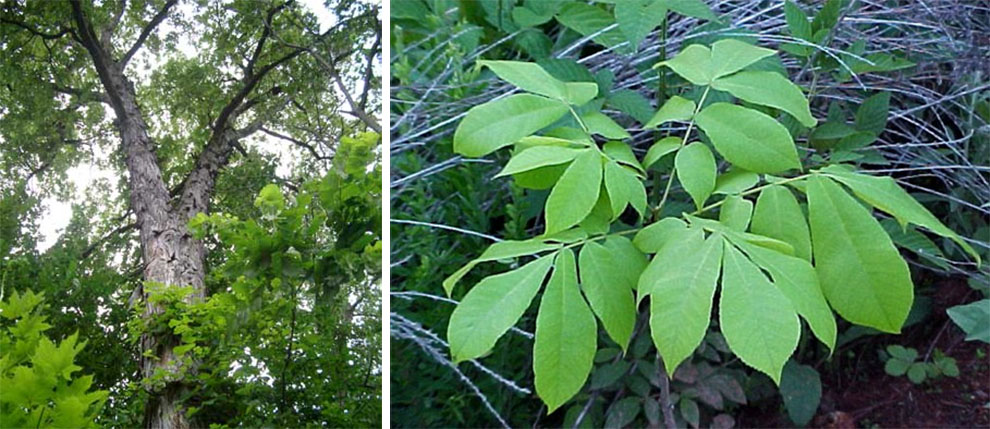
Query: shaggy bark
171	255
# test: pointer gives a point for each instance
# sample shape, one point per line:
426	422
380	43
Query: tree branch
296	142
157	19
36	32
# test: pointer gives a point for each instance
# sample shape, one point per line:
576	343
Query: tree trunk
172	257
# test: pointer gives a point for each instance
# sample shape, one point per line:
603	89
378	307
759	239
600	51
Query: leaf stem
579	120
751	191
670	179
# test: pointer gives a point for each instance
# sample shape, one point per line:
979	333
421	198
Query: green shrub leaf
681	296
676	108
736	212
973	319
528	77
758	321
748	139
797	280
778	215
501	250
611	299
566	336
575	194
884	194
539	156
663	147
862	275
696	171
492	307
768	89
599	123
495	124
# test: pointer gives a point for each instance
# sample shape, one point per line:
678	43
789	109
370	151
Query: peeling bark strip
172	256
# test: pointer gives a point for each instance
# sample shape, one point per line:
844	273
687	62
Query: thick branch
146	31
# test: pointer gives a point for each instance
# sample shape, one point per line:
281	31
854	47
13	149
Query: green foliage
973	319
801	388
36	375
857	270
755	122
903	360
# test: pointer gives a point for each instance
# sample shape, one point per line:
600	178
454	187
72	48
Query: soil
870	398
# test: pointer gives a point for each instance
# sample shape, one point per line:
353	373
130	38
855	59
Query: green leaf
499	123
622	153
579	93
973	319
916	373
902	353
797	21
566	337
526	17
540	178
631	103
862	275
797	280
749	139
662	147
492	307
896	367
528	77
681	296
827	17
689	411
575	193
693	63
736	212
587	20
735	181
801	388
611	299
501	250
758	321
732	55
676	108
658	234
871	116
696	171
539	156
778	215
623	187
768	89
599	123
884	194
628	259
692	8
637	20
